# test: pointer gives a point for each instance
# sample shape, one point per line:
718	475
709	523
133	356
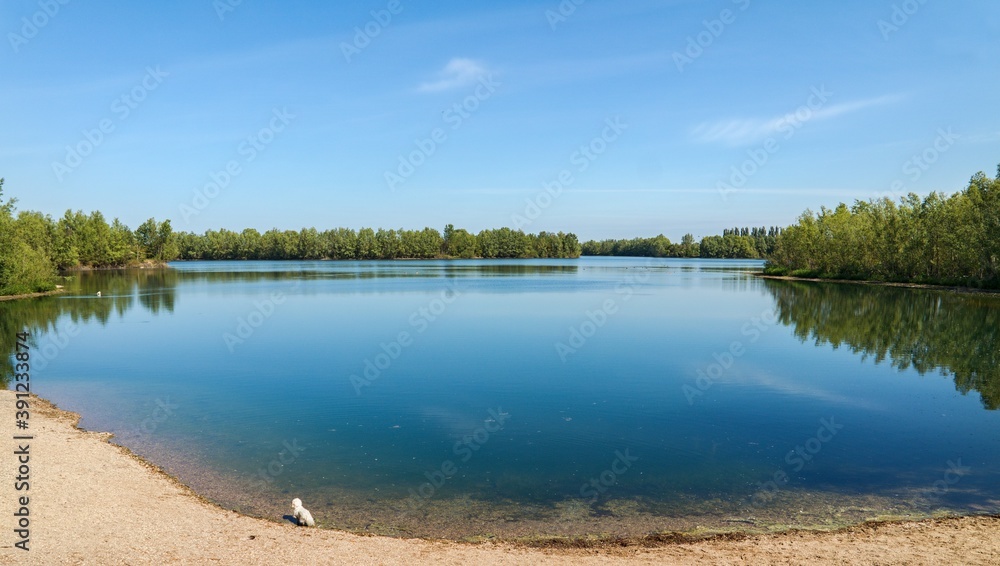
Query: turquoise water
471	398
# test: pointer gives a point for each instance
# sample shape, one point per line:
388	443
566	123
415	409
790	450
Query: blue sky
645	109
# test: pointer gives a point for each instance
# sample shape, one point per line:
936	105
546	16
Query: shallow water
476	398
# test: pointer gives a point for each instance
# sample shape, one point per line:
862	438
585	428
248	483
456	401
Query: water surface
516	398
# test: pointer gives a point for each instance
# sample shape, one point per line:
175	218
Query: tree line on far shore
734	243
368	243
35	247
949	240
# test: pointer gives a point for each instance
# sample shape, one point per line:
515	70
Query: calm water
474	398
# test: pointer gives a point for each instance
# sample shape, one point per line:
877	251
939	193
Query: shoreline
32	295
926	286
95	500
146	264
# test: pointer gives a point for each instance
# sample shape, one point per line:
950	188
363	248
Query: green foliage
658	246
368	243
156	240
735	243
24	261
121	243
948	240
34	246
459	243
24	269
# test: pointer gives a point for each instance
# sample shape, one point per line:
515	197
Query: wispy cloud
694	190
991	137
742	131
457	73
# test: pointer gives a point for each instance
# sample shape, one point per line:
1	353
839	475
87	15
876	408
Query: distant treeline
939	239
34	247
734	243
367	243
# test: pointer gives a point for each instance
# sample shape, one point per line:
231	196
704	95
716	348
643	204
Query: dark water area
533	397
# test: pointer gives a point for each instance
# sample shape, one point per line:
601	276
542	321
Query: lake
470	399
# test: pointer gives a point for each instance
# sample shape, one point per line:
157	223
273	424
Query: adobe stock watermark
31	26
290	453
57	341
951	477
454	117
419	320
714	28
121	107
248	151
463	450
364	35
598	486
594	320
796	459
581	158
562	12
223	7
725	359
900	16
919	163
786	126
261	312
162	412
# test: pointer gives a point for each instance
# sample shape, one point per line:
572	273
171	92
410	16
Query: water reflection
155	290
954	334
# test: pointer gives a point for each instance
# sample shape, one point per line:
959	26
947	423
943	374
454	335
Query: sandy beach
92	502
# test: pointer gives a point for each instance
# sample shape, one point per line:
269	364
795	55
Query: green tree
24	267
367	244
461	244
936	239
310	245
249	244
121	243
94	241
157	241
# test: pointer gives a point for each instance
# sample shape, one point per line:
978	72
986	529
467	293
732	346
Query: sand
92	502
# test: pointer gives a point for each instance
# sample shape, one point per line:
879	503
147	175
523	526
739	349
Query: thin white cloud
743	131
457	73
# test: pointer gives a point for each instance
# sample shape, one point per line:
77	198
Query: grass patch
806	273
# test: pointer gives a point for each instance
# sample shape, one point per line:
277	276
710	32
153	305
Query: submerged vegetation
948	240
